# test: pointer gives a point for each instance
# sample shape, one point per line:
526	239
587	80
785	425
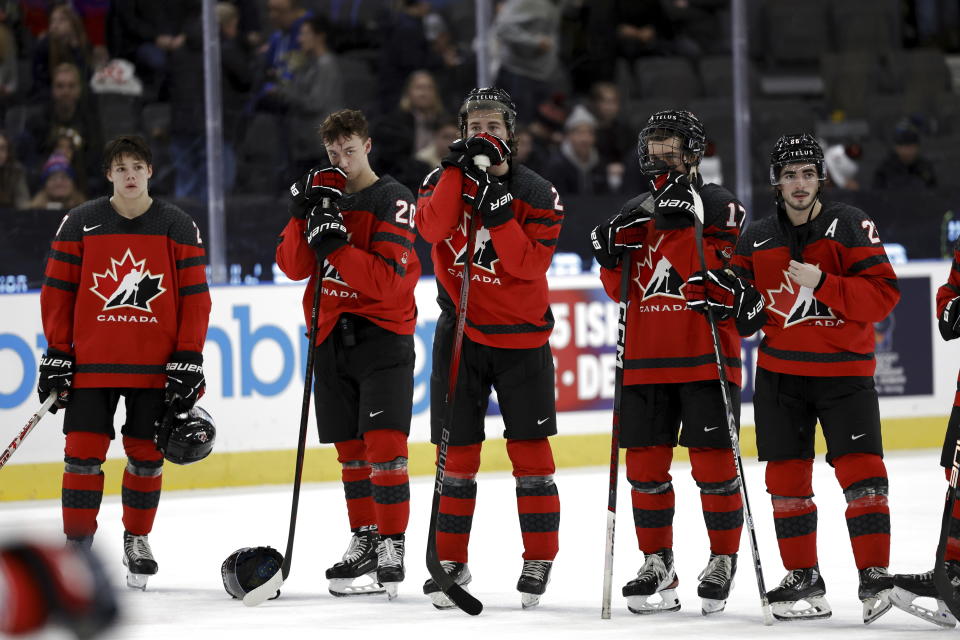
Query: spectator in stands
525	147
577	169
405	49
643	29
528	34
698	21
248	28
445	130
546	131
615	139
314	91
59	186
65	41
287	16
146	32
70	112
8	62
409	128
905	168
14	193
93	14
842	166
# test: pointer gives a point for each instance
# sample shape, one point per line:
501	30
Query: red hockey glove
489	145
315	185
727	296
625	230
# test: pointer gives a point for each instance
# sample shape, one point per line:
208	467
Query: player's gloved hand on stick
185	381
949	323
315	185
727	296
625	230
56	375
493	198
675	200
326	231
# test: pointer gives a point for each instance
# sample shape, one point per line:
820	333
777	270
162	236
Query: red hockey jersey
509	305
947	292
666	342
827	332
122	295
374	276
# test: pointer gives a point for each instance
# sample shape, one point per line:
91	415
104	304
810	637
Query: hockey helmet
492	98
187	437
246	569
667	124
796	148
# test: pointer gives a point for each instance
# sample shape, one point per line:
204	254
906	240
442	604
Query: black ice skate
656	577
390	564
800	585
875	586
460	573
716	581
138	559
907	587
359	560
533	581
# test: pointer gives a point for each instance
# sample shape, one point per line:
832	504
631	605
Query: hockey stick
626	267
940	579
451	589
27	428
267	589
731	421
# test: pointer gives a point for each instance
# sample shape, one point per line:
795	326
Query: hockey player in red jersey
357	228
909	587
125	308
825	279
670	371
505	344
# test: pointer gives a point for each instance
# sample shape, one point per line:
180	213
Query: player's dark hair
132	146
343	124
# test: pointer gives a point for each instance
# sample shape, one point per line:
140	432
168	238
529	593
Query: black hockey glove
625	230
487	144
949	323
494	200
56	375
675	198
727	296
325	231
313	187
185	381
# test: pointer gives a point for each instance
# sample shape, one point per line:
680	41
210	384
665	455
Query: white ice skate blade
138	580
903	599
709	606
816	609
529	600
876	606
391	588
342	587
641	605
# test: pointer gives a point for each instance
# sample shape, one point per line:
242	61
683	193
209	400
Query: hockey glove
325	231
315	185
675	198
949	324
489	145
622	231
493	201
56	375
185	381
727	296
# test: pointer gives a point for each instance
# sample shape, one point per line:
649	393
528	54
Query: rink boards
255	358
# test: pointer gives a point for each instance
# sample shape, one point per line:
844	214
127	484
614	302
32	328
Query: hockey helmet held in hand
246	569
796	148
186	438
667	124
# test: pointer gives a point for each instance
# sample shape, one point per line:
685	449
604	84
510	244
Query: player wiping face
489	121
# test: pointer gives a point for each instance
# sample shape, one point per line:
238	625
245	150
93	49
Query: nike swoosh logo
86	228
542	421
710	428
857	437
757	244
374	414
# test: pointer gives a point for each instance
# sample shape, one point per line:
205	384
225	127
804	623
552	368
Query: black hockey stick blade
941	581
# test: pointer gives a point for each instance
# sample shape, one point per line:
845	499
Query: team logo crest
484	254
330	272
796	304
661	278
127	283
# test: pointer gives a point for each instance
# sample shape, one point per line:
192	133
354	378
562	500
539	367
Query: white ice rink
195	531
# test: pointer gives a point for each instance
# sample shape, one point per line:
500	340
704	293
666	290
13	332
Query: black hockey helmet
187	437
492	98
796	148
667	124
246	569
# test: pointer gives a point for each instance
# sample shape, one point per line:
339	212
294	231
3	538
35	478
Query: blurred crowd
75	72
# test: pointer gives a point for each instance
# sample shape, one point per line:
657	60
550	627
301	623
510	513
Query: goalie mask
187	437
660	128
801	149
489	99
246	569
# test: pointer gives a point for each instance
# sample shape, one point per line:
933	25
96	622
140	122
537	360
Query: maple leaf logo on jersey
796	304
127	283
330	272
484	254
664	279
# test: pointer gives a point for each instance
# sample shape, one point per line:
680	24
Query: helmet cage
667	124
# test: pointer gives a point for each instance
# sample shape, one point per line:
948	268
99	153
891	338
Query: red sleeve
440	204
611	281
951	289
721	232
526	251
294	256
390	268
58	294
867	291
194	295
